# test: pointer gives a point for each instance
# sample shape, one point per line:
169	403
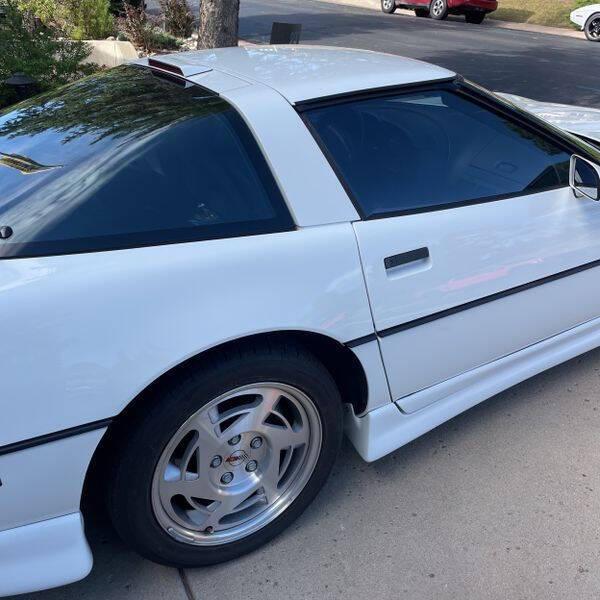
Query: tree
218	23
38	51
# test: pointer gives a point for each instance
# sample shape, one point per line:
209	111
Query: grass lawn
554	13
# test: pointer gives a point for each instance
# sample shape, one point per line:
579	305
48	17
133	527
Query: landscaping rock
110	53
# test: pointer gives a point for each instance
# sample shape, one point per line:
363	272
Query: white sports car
213	263
587	19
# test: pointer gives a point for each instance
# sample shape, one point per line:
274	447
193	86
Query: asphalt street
502	501
544	67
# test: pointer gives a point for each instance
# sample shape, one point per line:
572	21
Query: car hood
575	119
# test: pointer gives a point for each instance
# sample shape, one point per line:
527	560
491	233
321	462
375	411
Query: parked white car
213	262
587	19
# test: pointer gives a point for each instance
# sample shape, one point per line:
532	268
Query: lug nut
256	442
235	440
216	462
227	477
251	466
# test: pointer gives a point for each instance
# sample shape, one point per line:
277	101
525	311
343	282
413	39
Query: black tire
388	6
438	9
475	17
422	12
140	445
592	28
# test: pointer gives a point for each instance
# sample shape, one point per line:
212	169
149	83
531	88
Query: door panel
475	252
467	212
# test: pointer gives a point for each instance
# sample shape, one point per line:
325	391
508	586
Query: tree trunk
218	23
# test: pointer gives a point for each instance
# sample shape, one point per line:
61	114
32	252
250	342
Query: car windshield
129	158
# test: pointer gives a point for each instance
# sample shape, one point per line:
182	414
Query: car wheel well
345	368
591	18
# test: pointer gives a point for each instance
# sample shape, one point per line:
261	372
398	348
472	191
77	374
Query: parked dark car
474	10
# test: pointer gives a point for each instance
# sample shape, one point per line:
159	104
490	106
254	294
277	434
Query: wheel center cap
237	458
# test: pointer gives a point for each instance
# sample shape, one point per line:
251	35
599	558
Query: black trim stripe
53	437
473	304
491	298
365	339
388	90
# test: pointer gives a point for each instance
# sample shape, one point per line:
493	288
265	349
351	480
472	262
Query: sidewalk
376	5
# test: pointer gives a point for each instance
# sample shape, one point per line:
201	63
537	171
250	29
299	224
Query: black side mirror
584	178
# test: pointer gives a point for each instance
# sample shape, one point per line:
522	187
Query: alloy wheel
437	8
236	464
594	29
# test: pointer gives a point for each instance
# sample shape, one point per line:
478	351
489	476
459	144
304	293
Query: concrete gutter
494	23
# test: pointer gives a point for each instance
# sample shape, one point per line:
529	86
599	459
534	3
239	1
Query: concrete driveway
501	502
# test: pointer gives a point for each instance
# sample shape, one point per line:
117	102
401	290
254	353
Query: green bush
38	51
161	40
90	19
50	12
582	3
79	19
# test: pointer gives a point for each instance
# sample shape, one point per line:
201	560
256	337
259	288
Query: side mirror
584	178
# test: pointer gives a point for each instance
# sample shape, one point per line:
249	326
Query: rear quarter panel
84	334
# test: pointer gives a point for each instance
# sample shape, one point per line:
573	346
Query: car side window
127	159
432	149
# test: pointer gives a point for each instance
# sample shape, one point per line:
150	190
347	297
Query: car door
472	243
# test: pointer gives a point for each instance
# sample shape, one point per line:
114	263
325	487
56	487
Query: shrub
161	40
79	19
90	19
143	33
135	26
36	50
178	17
50	12
582	3
117	7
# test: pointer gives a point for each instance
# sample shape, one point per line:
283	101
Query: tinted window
126	158
432	149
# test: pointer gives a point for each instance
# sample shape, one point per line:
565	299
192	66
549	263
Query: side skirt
386	429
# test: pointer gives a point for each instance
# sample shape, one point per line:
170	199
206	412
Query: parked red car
474	10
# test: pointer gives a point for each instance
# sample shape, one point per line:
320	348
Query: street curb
494	23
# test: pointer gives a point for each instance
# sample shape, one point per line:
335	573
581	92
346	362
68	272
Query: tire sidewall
391	9
587	26
475	18
132	482
442	15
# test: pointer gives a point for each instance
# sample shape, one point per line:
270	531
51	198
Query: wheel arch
593	16
344	366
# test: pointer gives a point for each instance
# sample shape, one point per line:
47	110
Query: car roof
301	73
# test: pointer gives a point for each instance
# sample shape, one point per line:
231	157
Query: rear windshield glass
126	158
